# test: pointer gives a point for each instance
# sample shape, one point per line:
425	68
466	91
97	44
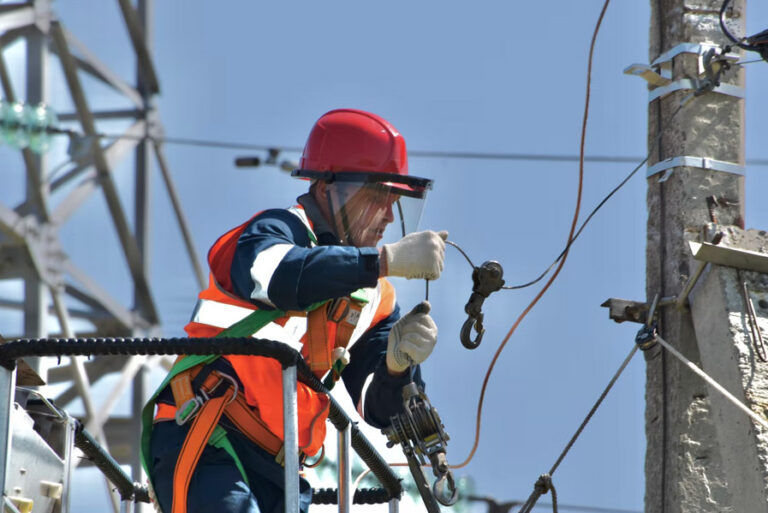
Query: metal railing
294	369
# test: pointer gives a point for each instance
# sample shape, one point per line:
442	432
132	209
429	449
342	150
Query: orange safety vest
316	334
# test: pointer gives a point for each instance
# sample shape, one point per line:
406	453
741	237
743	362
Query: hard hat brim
405	185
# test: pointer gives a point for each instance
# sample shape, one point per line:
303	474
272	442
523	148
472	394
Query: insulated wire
182	141
598	207
565	252
561	259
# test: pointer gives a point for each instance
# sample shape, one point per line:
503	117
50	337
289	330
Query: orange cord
565	253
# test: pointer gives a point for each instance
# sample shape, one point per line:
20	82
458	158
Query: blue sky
500	77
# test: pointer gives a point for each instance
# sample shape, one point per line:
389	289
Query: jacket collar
323	232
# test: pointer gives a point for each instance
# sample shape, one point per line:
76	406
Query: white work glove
411	339
417	255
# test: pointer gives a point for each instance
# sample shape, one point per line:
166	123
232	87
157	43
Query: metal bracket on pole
664	61
712	61
729	256
704	163
290	439
689	85
622	310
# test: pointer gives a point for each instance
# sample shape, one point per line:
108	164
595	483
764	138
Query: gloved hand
411	339
417	255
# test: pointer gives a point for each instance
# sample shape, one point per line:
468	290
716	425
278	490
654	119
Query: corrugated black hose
287	357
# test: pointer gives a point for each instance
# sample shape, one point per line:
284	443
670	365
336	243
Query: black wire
412	153
451	243
739	42
746	42
537	157
598	207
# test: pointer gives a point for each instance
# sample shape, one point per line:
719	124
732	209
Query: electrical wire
565	255
600	205
411	153
229	145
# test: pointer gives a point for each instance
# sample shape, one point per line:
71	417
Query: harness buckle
189	409
339	310
223	378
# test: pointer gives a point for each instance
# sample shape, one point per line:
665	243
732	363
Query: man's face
363	214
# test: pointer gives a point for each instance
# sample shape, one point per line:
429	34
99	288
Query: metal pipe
7	390
69	458
344	469
290	440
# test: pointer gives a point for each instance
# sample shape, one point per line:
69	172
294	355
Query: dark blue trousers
217	485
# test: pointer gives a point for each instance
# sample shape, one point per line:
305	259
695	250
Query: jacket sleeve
376	394
274	265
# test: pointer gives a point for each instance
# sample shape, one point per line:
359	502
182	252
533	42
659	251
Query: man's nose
389	215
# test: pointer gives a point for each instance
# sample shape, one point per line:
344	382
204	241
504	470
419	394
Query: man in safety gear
314	277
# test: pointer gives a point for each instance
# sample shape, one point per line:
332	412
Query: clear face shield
368	209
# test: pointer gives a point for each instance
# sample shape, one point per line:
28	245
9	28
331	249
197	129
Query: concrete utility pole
702	455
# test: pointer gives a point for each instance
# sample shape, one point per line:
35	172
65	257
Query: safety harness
203	394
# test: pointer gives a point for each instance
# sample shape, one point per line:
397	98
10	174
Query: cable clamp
713	61
669	164
646	336
664	61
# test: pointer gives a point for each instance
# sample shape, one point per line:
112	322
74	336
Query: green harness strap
243	328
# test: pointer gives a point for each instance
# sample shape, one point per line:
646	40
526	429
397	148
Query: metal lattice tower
30	236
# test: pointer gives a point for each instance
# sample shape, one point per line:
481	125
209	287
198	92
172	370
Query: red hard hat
354	140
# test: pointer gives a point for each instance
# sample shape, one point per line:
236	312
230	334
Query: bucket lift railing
294	369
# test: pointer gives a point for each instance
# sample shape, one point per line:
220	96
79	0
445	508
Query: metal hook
443	485
486	279
466	329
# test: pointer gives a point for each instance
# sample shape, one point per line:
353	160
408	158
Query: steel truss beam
29	231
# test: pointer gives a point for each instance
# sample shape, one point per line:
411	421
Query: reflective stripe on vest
223	315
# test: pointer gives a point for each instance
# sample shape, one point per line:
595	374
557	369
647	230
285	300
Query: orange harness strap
242	417
249	424
318	336
197	439
335	322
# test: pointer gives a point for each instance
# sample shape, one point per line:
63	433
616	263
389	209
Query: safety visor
371	208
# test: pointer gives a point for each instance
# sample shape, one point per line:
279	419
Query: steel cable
538	489
714	384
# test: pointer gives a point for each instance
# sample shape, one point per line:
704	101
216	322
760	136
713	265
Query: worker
313	276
